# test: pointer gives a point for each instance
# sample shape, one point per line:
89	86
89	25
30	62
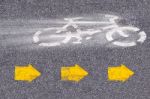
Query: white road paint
142	37
111	27
37	34
119	30
124	44
68	36
49	44
35	37
87	38
112	18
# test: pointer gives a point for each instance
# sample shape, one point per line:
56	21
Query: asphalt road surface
17	48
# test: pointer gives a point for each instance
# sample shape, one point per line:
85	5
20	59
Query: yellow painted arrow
26	73
119	73
73	73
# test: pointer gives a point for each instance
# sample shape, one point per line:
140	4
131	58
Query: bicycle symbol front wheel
120	31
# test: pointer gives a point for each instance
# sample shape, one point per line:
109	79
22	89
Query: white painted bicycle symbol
111	27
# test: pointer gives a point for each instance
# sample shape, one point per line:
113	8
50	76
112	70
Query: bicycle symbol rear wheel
55	39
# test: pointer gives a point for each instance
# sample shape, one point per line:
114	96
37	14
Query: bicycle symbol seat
111	28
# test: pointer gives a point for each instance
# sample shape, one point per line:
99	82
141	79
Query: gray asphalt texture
17	48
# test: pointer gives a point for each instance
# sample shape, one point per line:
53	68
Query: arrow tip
128	71
35	73
81	70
